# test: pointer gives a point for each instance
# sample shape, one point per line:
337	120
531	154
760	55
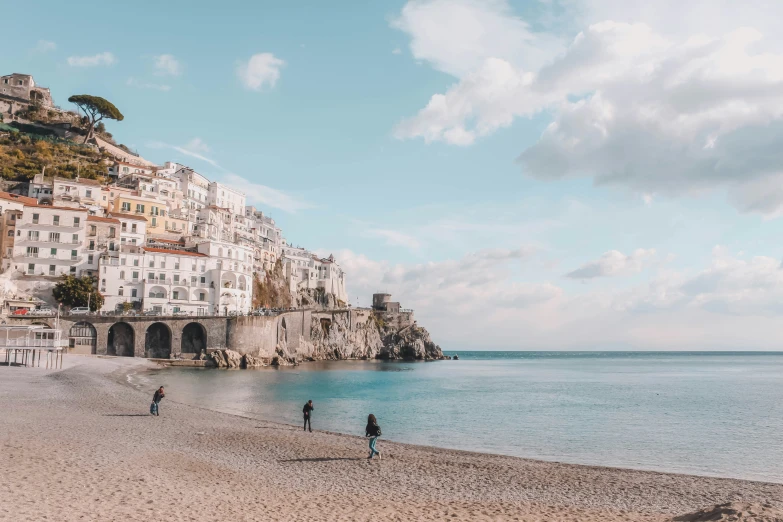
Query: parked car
42	311
79	310
20	311
151	312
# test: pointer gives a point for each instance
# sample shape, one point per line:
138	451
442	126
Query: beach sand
79	444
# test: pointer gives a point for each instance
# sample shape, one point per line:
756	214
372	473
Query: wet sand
79	444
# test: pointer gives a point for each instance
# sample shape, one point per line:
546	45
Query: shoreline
95	398
597	467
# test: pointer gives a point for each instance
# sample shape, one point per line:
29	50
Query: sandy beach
79	444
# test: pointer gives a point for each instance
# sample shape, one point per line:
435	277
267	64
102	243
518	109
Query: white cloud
195	148
266	196
477	302
105	58
395	238
45	46
396	50
261	70
167	65
614	263
133	82
657	101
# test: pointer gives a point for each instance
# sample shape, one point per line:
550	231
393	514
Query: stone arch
41	323
82	338
194	338
158	292
157	341
121	340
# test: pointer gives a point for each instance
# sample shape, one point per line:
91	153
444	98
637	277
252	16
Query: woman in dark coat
373	431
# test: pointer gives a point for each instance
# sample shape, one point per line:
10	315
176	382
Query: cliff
271	290
332	337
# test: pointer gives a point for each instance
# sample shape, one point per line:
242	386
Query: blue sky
561	174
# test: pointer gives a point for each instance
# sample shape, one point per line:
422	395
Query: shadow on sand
127	415
322	459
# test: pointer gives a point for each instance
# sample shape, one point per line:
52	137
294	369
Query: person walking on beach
154	407
373	431
307	410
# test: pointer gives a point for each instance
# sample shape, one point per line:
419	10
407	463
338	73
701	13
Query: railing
34	343
159	281
60	241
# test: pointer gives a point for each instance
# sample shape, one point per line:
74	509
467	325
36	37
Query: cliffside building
18	91
383	303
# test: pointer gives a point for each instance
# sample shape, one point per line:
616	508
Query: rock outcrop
373	339
413	342
250	361
233	359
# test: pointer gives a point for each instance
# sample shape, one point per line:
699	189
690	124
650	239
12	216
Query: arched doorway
121	340
82	338
194	338
157	342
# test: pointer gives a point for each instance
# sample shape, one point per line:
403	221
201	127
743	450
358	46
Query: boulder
455	357
250	361
218	359
233	359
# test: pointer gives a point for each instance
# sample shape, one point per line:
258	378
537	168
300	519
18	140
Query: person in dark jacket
307	410
155	406
373	431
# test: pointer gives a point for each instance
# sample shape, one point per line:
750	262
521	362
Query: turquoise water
703	413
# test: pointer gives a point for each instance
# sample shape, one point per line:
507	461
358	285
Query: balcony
158	281
60	241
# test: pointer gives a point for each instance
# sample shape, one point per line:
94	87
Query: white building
194	188
224	196
133	229
78	192
169	279
50	241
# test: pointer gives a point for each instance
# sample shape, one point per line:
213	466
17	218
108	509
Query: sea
704	413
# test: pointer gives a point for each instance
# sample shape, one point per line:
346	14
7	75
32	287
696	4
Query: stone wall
263	336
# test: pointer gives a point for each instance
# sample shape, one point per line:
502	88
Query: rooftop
102	219
173	252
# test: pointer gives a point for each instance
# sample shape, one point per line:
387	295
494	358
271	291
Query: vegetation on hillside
95	109
23	155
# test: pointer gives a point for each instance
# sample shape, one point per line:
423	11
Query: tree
95	109
78	291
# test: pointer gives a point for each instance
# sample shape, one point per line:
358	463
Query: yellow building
159	222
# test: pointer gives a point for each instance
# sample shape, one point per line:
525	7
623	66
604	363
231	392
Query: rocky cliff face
333	339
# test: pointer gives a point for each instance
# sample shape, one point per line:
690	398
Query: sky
537	175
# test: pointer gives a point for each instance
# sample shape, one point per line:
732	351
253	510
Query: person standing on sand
154	407
307	410
373	431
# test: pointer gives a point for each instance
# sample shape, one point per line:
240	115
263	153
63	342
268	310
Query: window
36	217
112	232
161	277
10	233
72	270
176	265
193	280
32	251
56	221
88	193
122	274
75	238
134	292
89	259
139	208
91	245
201	296
53	252
135	276
111	246
133	227
54	237
163	263
51	270
175	294
31	235
124	227
76	221
93	230
30	269
150	277
120	291
154	222
152	263
194	267
203	280
135	261
125	206
122	261
176	278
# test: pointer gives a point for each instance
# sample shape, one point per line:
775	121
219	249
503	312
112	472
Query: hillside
23	155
